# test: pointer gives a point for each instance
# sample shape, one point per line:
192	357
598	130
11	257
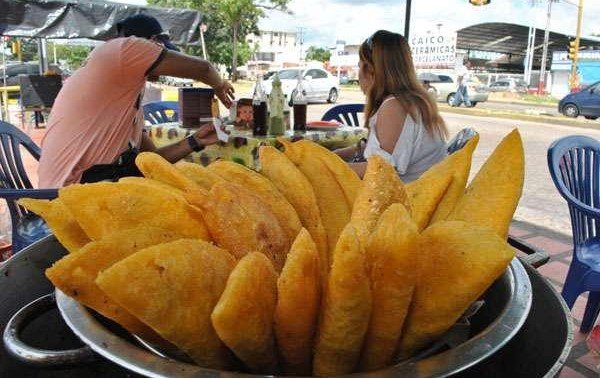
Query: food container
507	304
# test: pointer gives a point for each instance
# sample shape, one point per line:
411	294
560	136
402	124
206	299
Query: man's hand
225	93
206	135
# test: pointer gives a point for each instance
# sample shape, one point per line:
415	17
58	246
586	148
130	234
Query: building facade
588	69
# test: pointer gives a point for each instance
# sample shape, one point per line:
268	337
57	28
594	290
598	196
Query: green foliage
73	55
228	21
318	53
29	50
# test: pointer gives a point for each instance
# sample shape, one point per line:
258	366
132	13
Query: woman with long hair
405	127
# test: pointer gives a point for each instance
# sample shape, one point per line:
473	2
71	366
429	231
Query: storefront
588	69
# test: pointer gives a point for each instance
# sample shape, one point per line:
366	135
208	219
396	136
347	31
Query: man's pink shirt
97	112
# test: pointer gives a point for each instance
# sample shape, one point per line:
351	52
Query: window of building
266	56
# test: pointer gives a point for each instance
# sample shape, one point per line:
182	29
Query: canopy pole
203	28
43	55
542	81
4	93
407	19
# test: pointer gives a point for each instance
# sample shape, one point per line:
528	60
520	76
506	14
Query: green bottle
276	104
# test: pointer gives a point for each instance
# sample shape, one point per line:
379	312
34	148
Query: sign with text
433	50
562	56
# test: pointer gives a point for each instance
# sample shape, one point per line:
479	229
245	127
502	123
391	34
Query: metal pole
530	54
542	82
407	19
43	54
574	77
202	29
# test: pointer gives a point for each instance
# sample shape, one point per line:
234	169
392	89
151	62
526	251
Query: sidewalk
581	362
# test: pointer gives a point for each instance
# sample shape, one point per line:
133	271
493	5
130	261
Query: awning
512	39
90	19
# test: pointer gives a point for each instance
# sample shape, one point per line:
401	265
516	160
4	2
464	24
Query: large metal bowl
507	304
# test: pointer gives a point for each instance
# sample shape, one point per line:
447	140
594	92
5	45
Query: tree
228	22
318	53
73	55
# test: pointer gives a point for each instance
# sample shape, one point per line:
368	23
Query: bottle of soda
299	100
276	103
259	108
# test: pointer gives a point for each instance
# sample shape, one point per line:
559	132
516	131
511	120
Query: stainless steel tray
508	302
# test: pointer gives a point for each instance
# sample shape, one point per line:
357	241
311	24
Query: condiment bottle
300	102
214	107
259	108
276	101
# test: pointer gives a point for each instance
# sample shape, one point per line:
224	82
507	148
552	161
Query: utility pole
542	82
530	54
574	79
300	33
407	19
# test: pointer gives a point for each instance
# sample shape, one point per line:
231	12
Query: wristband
194	145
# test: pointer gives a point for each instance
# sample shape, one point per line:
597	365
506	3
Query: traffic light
480	2
15	47
573	49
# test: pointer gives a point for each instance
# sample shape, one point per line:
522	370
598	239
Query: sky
323	22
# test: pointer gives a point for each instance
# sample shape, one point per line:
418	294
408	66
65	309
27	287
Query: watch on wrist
194	145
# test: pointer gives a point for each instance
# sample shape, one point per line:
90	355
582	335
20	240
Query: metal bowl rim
449	362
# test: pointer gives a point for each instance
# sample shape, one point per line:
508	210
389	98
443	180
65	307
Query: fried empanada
493	195
346	309
299	192
104	208
298	300
60	220
173	287
243	317
457	262
75	274
391	256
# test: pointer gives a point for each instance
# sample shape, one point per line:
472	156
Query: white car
318	84
177	81
446	89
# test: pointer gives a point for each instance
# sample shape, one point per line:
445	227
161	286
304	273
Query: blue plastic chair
346	114
460	139
575	169
14	184
158	112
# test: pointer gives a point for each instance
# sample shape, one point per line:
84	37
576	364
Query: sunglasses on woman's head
369	41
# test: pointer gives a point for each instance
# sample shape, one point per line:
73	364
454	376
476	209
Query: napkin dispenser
195	105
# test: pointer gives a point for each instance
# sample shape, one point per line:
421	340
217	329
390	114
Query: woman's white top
416	150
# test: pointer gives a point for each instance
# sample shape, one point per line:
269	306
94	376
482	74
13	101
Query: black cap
144	26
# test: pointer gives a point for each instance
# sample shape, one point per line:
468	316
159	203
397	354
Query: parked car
14	70
268	74
585	102
319	85
445	89
176	81
508	85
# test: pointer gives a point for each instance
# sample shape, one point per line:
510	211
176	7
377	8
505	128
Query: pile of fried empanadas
300	268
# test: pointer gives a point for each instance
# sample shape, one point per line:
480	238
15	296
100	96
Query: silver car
445	89
319	85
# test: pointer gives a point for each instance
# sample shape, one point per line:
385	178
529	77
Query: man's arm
176	151
186	66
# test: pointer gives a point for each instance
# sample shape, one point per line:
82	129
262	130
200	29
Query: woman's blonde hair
389	57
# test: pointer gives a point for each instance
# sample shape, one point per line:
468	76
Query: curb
517	102
506	114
